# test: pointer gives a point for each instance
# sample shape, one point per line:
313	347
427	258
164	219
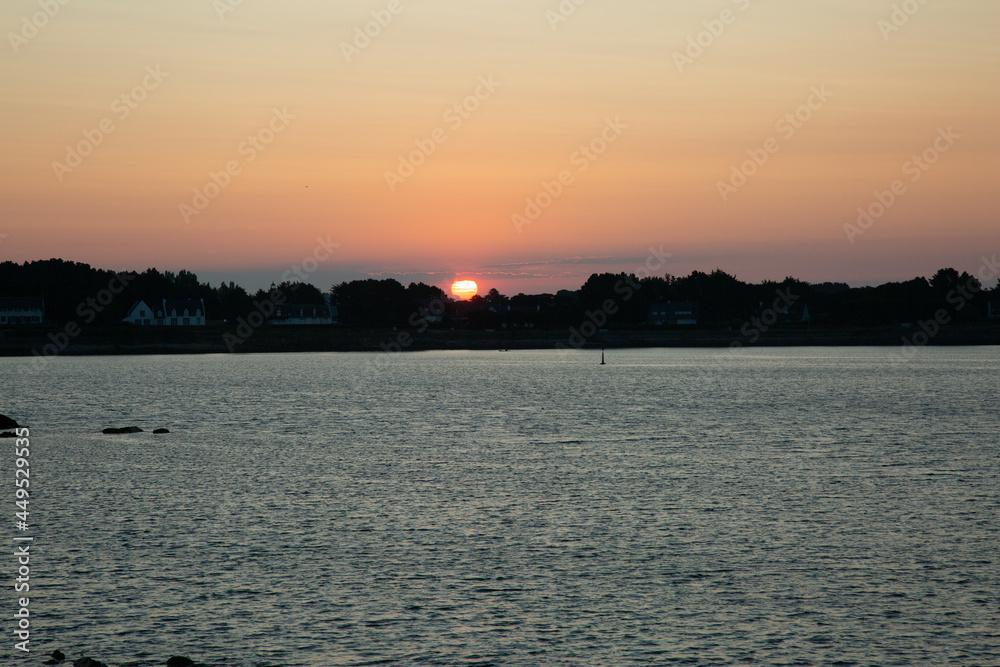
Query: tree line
723	300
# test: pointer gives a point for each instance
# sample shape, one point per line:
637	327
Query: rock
58	655
7	422
179	661
88	662
117	431
160	430
8	434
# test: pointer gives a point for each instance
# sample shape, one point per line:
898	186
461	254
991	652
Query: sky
524	144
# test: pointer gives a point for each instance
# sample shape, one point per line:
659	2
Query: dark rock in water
160	430
88	662
8	434
58	655
7	422
117	431
179	661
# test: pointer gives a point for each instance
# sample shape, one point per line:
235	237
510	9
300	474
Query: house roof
22	303
135	306
193	306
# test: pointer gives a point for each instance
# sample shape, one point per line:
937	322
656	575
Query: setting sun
464	289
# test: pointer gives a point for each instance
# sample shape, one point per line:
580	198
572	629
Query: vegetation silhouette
723	300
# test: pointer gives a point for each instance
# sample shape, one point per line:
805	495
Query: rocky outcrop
7	422
57	657
118	431
161	430
88	662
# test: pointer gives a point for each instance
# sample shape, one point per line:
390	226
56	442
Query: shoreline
219	339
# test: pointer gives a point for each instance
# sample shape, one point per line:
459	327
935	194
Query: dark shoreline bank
221	339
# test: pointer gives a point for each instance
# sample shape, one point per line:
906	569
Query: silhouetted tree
722	299
419	292
620	291
373	303
66	288
299	292
496	300
233	302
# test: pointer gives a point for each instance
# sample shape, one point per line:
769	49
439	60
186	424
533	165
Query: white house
297	313
168	313
140	313
22	310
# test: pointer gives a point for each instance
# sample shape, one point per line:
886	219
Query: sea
776	506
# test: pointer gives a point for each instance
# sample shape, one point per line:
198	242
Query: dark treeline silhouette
72	289
384	303
75	291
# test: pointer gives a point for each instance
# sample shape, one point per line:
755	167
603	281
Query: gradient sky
324	173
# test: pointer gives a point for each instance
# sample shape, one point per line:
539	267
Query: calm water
789	507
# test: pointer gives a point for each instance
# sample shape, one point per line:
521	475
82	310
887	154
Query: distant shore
221	338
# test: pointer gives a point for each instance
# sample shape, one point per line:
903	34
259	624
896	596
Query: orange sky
325	118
